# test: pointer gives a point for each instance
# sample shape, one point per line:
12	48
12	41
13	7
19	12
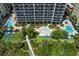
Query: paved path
30	47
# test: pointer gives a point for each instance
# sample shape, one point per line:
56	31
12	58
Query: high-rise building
2	13
69	9
76	13
39	12
2	10
5	9
8	7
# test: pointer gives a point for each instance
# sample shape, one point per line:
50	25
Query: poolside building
39	12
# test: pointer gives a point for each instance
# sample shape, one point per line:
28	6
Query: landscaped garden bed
53	47
13	38
57	44
13	44
13	49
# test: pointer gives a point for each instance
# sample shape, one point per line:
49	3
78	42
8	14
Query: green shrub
53	48
1	33
59	34
69	49
76	37
31	32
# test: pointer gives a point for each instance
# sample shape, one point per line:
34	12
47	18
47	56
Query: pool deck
44	31
69	24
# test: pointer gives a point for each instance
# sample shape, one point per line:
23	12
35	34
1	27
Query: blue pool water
69	29
46	36
10	23
9	31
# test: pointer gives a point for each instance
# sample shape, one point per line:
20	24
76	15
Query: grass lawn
39	38
13	38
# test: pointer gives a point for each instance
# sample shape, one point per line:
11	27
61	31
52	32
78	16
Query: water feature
46	36
10	23
44	31
69	29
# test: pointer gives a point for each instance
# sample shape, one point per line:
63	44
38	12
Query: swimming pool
10	23
44	31
46	36
69	29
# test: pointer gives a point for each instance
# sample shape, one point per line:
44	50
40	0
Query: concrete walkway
30	47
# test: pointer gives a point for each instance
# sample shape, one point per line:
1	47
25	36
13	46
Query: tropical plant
76	37
62	25
59	34
69	49
31	32
54	47
73	19
13	49
23	33
51	26
1	33
11	28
